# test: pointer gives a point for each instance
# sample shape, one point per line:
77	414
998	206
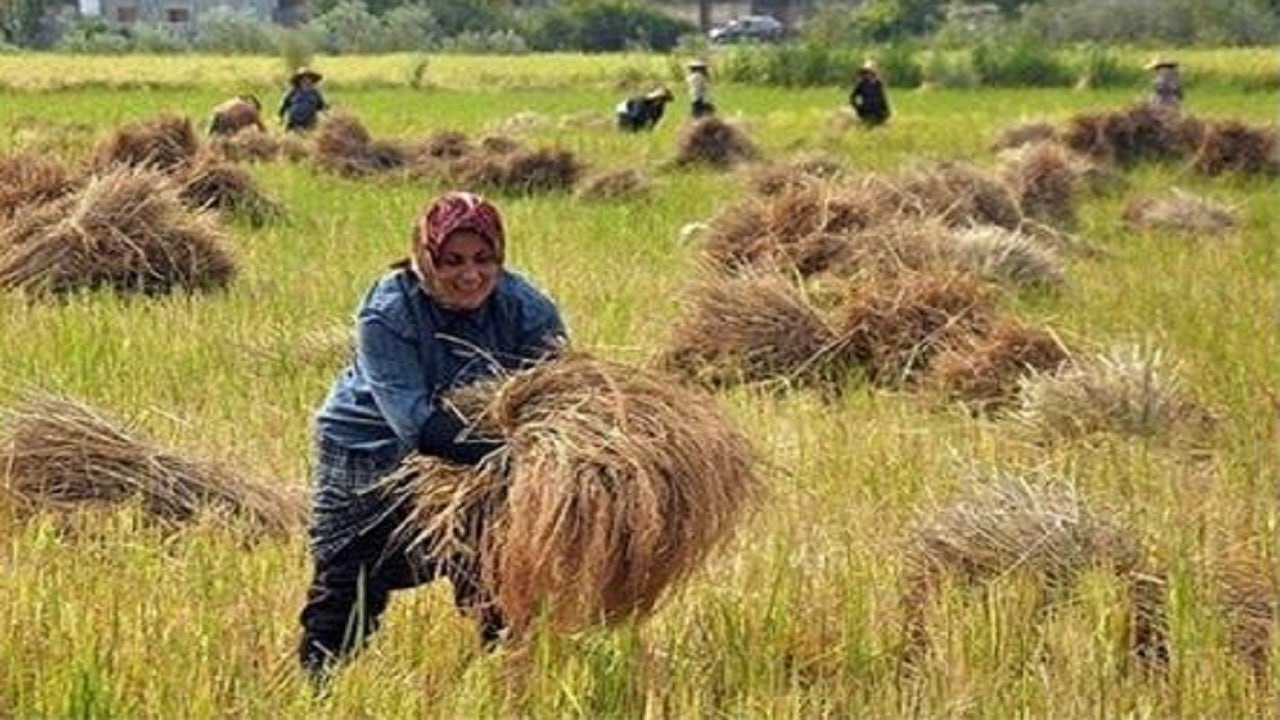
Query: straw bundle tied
714	142
57	453
1178	210
1130	390
956	192
517	170
984	372
344	146
1006	525
1025	134
750	328
211	184
248	145
614	185
165	142
618	482
1232	146
127	230
30	179
775	178
1005	256
1129	136
1042	178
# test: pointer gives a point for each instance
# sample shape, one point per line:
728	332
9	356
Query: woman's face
465	271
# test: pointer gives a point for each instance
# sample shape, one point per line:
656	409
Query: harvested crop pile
1129	391
249	145
775	178
893	327
57	453
211	184
618	483
165	142
1043	180
1178	210
1247	592
1140	133
985	372
344	146
1004	256
748	328
430	158
1025	134
1043	530
614	185
28	179
958	193
714	142
1233	147
127	230
518	171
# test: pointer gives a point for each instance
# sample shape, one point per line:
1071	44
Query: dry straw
1008	524
1024	134
248	145
1137	134
28	179
1233	147
1247	592
984	372
776	178
1130	390
126	230
166	142
344	146
211	184
505	166
1042	177
57	454
1004	256
615	185
956	192
749	328
1178	210
618	484
714	142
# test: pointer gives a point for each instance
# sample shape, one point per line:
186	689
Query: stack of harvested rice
28	179
614	486
1027	133
960	194
774	178
165	142
714	142
1235	147
515	170
211	184
1178	210
1140	133
126	230
614	185
749	328
1007	525
344	146
1004	256
57	454
430	158
985	372
1247	591
1042	178
247	145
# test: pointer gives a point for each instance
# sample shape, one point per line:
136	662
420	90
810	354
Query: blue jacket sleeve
542	333
396	377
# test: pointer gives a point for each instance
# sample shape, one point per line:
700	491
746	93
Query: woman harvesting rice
446	317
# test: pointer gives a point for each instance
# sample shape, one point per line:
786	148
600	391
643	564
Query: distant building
181	15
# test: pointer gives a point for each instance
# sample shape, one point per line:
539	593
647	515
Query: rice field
810	611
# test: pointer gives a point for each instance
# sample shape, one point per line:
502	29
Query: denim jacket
410	350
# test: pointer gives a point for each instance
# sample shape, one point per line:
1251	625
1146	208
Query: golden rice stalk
893	327
211	184
1232	146
165	142
1178	210
1130	390
1007	524
1006	256
714	142
30	179
748	328
956	192
985	371
57	453
127	230
1247	592
1042	178
618	483
615	184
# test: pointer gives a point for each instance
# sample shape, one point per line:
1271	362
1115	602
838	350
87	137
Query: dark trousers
702	108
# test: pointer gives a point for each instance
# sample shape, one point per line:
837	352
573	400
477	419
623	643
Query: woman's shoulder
389	296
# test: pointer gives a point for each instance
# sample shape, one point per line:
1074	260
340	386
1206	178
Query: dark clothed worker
236	114
699	81
302	104
643	112
1166	88
449	315
868	97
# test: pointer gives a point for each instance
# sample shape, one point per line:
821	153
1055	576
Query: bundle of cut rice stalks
29	179
714	142
1137	134
1232	146
615	484
57	454
1035	131
775	178
1248	593
1042	177
1004	256
249	145
984	371
517	171
165	142
749	328
615	185
127	230
344	146
211	184
959	193
1008	524
1178	210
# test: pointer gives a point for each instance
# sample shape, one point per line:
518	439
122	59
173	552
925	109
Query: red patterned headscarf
448	214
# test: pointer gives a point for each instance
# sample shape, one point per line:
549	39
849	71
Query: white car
748	28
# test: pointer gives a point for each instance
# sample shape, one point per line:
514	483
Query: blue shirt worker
448	316
303	103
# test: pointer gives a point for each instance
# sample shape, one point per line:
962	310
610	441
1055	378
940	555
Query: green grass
799	617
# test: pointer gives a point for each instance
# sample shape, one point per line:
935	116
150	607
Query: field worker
448	315
643	112
303	102
1167	85
867	97
699	80
236	114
